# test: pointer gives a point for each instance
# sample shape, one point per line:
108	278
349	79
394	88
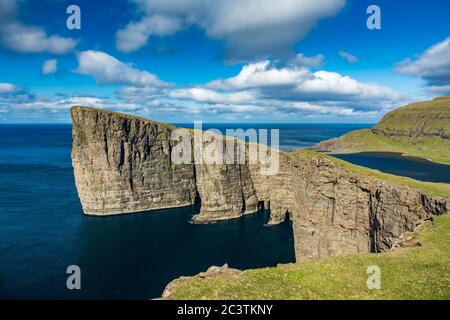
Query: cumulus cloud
433	66
19	37
293	83
106	69
50	67
349	57
261	74
264	90
250	29
136	34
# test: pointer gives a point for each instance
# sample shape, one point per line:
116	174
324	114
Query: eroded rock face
337	211
226	191
122	164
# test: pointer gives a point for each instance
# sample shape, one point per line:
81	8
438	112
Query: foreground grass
440	189
406	273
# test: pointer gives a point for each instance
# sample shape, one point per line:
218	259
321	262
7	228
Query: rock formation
122	164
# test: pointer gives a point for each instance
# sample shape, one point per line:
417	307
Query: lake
395	163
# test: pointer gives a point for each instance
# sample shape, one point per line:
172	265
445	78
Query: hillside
419	271
421	129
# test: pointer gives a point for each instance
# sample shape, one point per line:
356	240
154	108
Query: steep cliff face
123	164
337	211
226	191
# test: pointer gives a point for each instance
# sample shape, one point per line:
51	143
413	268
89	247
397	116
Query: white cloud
50	67
261	74
207	95
136	34
349	57
433	66
8	88
251	29
28	39
106	69
292	83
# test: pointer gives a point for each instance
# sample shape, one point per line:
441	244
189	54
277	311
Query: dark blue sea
43	230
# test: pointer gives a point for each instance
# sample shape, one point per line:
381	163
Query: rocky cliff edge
123	164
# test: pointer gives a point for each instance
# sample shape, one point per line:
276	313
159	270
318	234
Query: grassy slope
406	273
433	115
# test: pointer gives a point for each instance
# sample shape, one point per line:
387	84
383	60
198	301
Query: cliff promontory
123	164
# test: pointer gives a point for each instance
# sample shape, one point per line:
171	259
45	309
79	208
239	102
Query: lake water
43	231
395	163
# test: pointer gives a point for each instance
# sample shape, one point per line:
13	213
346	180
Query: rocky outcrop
122	164
226	191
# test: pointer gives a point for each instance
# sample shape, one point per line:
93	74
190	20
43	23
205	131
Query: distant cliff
420	129
122	164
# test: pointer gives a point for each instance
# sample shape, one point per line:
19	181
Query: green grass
433	115
441	189
406	273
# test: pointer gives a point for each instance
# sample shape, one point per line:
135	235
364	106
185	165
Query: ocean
43	230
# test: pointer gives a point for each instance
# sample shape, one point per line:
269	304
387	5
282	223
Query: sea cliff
123	164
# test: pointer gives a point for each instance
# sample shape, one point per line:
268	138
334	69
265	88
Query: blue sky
222	61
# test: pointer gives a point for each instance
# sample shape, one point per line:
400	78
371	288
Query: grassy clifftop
421	118
417	272
421	129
